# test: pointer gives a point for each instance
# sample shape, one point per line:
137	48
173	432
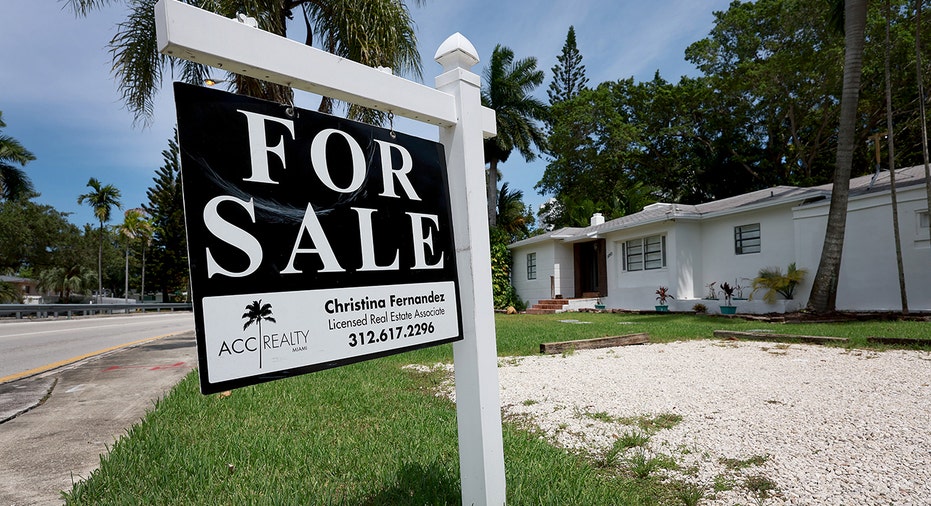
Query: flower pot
728	309
662	309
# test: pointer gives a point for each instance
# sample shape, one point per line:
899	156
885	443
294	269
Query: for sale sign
314	241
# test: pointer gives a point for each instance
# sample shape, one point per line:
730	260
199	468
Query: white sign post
187	32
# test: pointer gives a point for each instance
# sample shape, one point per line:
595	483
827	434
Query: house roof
760	199
562	233
15	279
864	185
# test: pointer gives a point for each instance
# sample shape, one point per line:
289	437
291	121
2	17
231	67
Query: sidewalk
87	407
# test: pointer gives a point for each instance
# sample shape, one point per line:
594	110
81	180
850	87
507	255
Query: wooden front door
591	275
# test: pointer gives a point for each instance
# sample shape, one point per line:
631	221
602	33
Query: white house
622	262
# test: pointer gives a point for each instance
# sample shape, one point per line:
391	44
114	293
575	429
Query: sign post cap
456	52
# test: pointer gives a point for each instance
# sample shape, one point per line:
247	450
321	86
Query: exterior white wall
869	276
555	271
637	290
721	263
686	249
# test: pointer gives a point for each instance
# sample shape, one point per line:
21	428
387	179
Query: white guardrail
69	310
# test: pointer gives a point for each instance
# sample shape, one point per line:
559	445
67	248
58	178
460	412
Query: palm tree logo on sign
255	313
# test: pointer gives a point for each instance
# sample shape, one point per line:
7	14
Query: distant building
26	287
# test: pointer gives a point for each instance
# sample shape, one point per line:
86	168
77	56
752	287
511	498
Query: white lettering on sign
387	171
259	148
396	184
319	161
367	237
233	235
422	242
322	245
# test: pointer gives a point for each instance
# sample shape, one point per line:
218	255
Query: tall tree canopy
568	73
36	237
377	33
508	89
166	209
764	112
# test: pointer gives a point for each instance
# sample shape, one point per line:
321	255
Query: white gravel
832	426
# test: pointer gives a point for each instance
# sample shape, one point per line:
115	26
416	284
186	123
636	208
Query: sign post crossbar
184	31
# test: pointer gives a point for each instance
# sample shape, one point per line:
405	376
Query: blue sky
61	101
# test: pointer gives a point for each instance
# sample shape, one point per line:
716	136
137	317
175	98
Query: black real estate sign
314	241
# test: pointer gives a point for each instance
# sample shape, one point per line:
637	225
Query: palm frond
12	151
83	7
14	183
137	64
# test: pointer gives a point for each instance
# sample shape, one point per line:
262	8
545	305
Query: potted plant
739	289
728	292
662	293
712	294
774	281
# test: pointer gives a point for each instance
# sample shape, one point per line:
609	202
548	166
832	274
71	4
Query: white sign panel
314	327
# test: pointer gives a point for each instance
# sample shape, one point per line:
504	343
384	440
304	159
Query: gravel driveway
760	422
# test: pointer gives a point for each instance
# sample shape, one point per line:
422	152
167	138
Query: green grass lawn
374	433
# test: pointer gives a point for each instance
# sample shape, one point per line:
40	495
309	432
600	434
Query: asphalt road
28	347
55	425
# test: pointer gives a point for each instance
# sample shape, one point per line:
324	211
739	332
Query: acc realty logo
255	314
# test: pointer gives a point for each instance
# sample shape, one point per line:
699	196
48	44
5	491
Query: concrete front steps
548	306
551	306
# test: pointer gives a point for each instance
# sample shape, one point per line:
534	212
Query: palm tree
507	90
14	183
378	33
255	313
102	199
64	280
135	227
513	218
9	293
49	280
824	287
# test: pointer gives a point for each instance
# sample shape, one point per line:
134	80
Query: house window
923	222
747	239
531	266
646	253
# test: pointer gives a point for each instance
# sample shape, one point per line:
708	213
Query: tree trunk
126	278
142	288
491	182
823	297
903	294
100	265
921	105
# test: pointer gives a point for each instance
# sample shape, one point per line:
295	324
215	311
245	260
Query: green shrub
774	281
503	291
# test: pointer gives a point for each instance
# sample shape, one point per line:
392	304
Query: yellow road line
67	361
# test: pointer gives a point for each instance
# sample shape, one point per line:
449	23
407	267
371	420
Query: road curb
19	397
